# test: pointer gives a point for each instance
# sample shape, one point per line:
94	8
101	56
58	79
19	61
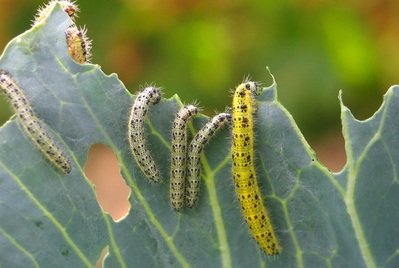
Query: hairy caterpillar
149	95
243	169
78	44
31	124
179	154
69	7
194	150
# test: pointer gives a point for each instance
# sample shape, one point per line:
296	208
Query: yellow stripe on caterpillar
246	185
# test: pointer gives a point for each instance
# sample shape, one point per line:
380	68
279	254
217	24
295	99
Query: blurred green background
202	49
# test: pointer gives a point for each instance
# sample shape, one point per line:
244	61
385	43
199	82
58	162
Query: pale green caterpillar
179	155
138	147
32	125
203	136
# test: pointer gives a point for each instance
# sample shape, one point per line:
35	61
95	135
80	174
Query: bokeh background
202	49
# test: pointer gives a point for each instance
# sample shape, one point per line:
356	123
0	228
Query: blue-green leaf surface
47	219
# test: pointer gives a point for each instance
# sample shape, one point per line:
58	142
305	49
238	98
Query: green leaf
48	219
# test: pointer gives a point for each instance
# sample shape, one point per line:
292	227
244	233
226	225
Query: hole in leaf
100	260
102	169
331	151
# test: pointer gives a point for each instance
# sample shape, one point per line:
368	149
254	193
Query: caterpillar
193	156
31	124
138	147
179	154
68	6
78	44
246	185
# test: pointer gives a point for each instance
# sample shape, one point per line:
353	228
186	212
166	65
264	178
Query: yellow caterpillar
243	169
78	44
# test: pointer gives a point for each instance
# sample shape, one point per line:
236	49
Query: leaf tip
341	102
270	73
